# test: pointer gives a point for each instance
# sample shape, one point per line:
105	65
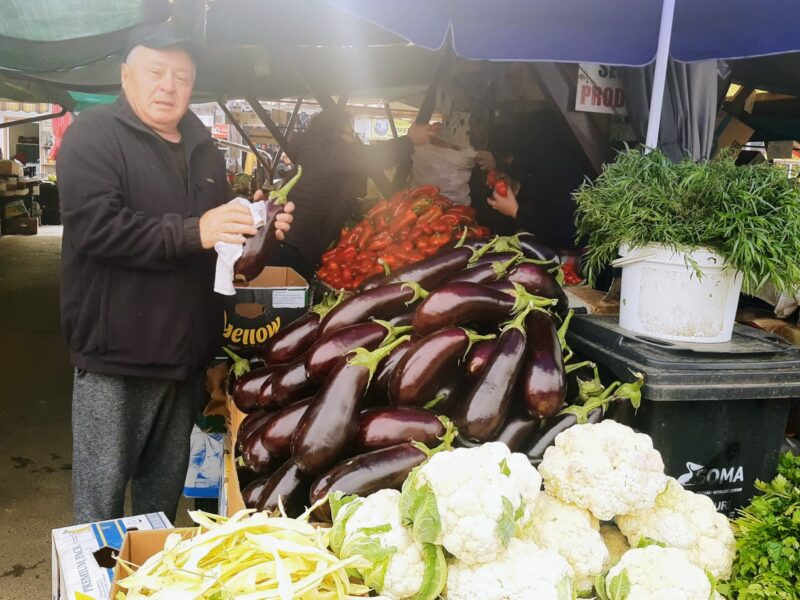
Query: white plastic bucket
662	297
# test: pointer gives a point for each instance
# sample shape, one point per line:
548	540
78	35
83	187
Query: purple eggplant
536	251
538	281
251	423
479	356
290	384
257	248
277	431
251	491
451	393
384	302
418	376
383	427
403	320
517	432
486	271
379	388
460	303
492	258
487	404
503	285
365	474
326	352
289	486
255	456
266	398
245	389
543	383
291	343
328	429
428	273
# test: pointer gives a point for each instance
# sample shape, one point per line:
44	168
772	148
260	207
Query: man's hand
418	134
283	222
228	223
486	160
507	206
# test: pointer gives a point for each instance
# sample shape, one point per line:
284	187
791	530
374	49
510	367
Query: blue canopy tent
615	32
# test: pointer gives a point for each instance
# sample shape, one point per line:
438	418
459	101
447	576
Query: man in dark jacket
143	194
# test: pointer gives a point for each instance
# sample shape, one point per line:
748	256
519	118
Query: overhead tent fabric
614	32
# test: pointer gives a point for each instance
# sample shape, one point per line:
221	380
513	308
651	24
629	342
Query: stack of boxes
20	212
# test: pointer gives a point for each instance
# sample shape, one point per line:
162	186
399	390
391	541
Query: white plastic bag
449	170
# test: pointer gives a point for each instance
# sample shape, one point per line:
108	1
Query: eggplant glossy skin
256	456
251	423
257	248
245	389
266	397
327	431
539	282
289	485
292	342
479	356
546	435
251	492
377	394
460	303
486	406
365	474
494	257
278	430
517	432
428	273
403	320
291	384
383	427
417	377
543	381
383	302
533	249
326	352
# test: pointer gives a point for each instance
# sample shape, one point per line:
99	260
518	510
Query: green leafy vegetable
418	509
748	214
767	564
645	541
435	576
504	469
507	525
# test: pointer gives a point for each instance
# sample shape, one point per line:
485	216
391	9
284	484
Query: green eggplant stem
281	196
240	365
370	360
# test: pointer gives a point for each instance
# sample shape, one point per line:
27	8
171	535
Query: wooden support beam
556	83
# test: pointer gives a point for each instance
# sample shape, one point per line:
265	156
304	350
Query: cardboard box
230	497
20	226
137	548
14	209
10	168
261	307
84	556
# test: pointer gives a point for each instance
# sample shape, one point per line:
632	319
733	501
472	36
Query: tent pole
660	75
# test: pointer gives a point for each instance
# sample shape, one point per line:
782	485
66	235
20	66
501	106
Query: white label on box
289	298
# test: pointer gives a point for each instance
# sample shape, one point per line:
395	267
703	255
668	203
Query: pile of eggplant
359	391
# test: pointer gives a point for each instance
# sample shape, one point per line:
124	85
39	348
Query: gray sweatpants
129	429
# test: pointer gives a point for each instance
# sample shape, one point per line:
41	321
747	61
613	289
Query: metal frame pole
660	75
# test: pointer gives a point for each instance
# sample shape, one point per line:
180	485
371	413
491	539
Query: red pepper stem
281	196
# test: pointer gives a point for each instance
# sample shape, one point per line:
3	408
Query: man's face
158	85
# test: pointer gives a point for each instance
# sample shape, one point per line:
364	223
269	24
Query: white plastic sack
449	170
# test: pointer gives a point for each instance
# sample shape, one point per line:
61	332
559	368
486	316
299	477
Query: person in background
549	165
335	166
144	199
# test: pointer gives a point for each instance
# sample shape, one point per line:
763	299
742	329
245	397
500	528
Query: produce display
404	229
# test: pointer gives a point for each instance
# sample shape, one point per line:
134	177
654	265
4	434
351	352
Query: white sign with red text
599	90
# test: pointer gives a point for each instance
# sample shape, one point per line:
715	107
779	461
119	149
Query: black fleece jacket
137	287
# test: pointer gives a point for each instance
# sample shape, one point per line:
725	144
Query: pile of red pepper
406	228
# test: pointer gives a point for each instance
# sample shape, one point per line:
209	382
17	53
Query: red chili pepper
348	254
422	191
407	245
430	215
364	236
426	228
449	220
378	209
400	208
379	241
391	260
415	233
501	188
442	202
403	220
415	256
352	236
383	222
440	239
421	205
331	254
404	232
460	209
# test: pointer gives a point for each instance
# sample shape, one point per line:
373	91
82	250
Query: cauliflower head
572	532
615	541
606	468
689	521
524	571
395	564
656	573
472	501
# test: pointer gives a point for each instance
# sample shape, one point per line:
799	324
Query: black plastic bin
716	412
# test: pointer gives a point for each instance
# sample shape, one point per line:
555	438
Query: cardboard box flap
275	277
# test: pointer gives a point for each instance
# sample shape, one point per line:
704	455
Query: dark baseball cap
160	37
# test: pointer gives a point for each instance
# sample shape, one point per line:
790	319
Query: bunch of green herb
750	215
767	565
